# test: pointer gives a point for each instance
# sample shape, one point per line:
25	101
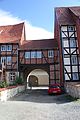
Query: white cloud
32	32
7	19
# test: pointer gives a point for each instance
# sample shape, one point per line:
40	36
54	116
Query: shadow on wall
33	81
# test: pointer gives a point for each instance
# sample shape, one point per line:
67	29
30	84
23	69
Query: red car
54	89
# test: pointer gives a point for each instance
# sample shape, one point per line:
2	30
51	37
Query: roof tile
39	44
64	16
11	33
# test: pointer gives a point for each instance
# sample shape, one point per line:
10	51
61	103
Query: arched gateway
38	78
39	54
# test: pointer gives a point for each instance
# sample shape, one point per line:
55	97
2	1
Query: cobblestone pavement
38	105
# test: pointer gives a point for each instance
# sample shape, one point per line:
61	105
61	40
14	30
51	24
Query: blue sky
36	13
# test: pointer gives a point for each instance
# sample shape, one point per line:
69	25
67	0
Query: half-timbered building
11	37
67	34
58	56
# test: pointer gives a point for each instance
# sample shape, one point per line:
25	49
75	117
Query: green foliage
12	84
3	84
18	81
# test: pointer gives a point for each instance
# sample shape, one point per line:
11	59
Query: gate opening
38	79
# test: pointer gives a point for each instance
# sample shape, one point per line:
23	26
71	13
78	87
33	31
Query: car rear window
54	87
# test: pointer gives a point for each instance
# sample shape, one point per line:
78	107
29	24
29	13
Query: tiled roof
11	33
75	10
39	44
64	16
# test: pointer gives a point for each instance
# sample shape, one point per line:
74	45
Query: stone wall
73	89
7	93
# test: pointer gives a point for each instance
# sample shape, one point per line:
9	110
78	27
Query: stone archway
38	78
26	71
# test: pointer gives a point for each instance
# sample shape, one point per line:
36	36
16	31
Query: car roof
56	84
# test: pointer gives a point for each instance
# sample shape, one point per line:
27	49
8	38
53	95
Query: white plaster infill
7	93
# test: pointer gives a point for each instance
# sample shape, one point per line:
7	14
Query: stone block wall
7	93
73	89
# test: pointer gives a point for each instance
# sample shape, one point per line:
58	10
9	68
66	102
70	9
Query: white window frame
27	55
72	42
8	60
9	47
39	54
3	59
75	76
12	76
70	28
3	47
33	54
50	53
74	59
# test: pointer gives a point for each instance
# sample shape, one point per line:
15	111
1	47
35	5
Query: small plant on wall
19	81
3	84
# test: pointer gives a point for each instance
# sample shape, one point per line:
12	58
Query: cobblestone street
38	105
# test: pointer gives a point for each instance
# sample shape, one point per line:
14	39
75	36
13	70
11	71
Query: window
70	28
39	55
72	42
33	54
9	47
3	60
50	53
3	47
8	60
27	54
12	76
74	60
75	76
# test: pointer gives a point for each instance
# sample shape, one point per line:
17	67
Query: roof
11	33
75	10
39	44
64	14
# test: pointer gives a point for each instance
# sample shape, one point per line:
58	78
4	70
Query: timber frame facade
48	63
67	34
59	57
9	55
